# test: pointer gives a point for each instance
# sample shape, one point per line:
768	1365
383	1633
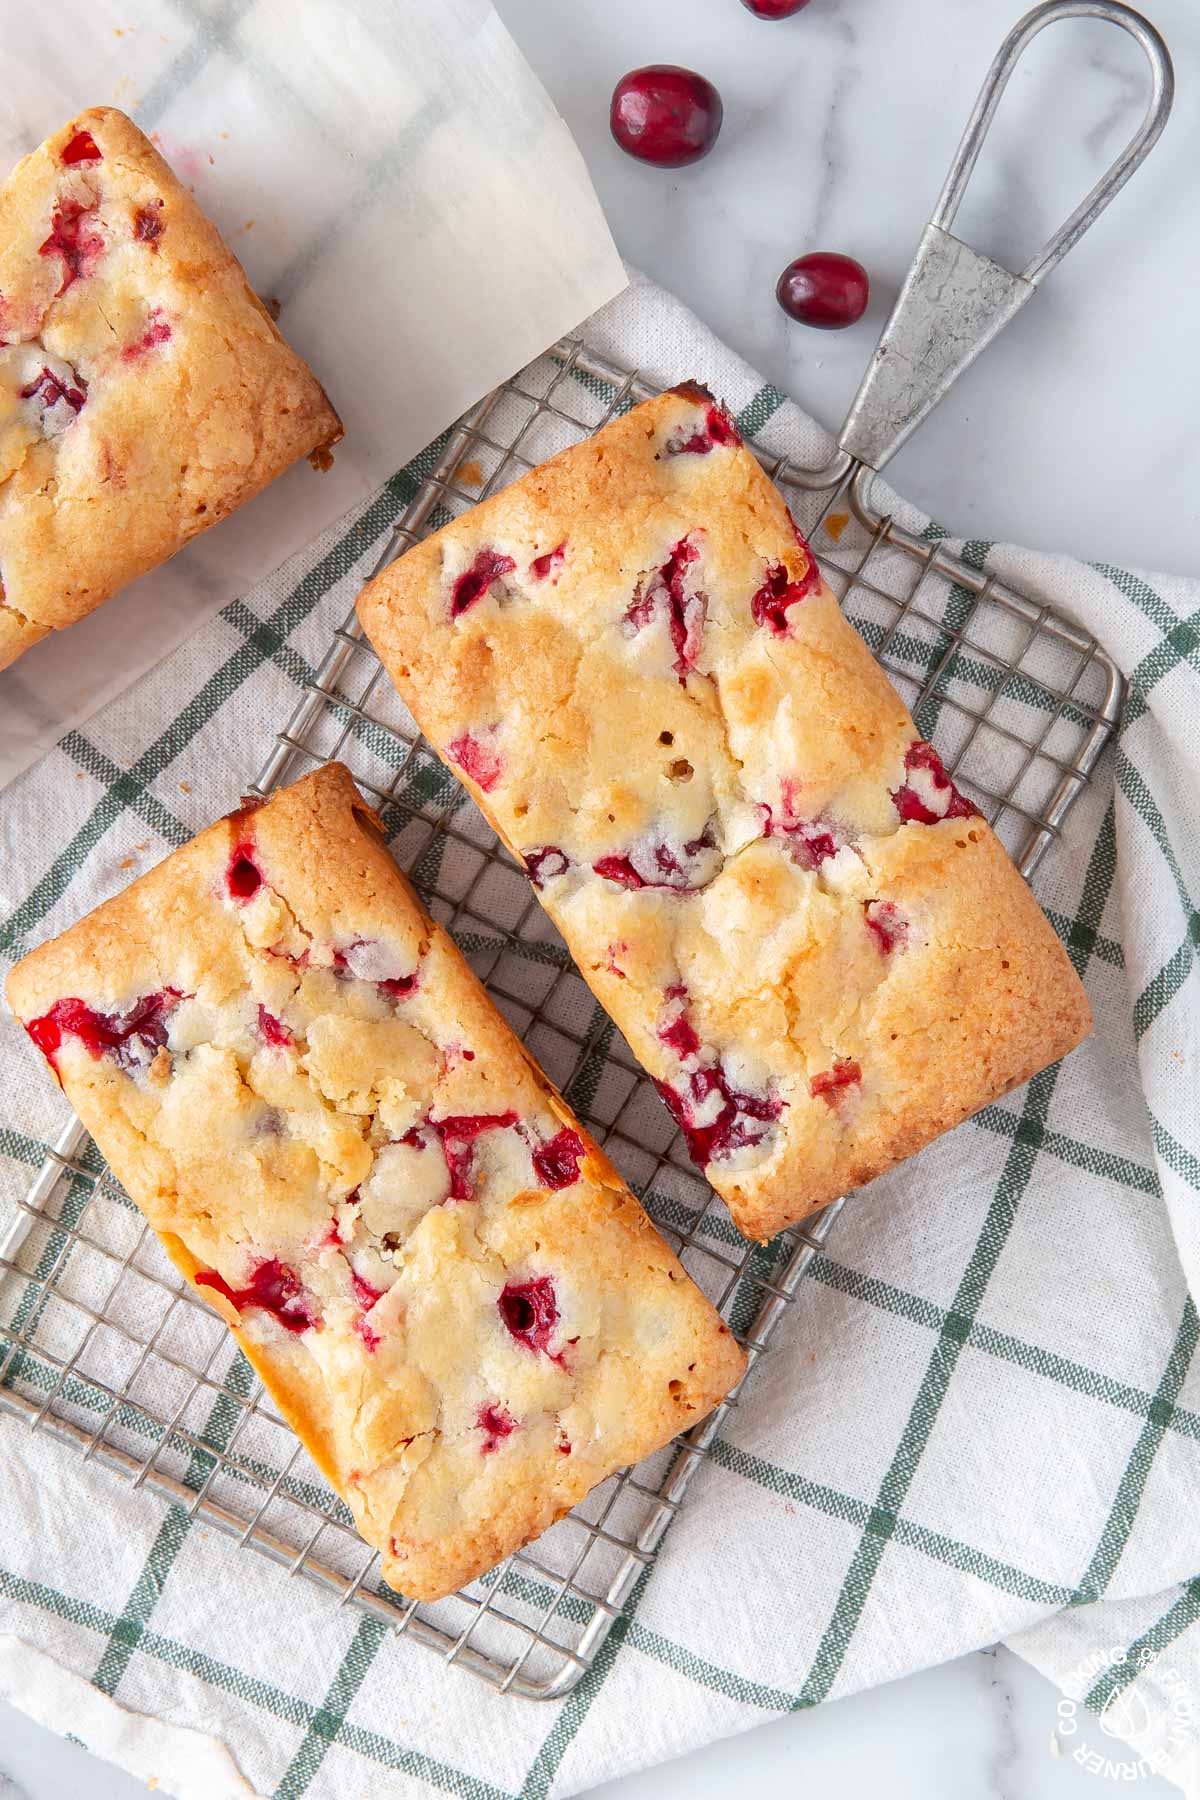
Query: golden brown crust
172	396
630	660
284	1110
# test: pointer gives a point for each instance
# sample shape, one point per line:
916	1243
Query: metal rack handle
955	300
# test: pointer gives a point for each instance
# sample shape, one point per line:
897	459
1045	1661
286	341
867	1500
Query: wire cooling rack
103	1346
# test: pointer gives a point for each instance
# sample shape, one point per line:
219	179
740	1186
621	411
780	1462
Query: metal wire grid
108	1350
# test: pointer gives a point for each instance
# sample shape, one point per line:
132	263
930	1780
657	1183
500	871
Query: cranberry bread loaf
447	1288
810	939
144	391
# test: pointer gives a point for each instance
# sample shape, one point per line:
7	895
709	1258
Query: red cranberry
769	606
367	1332
659	865
274	1032
542	566
665	115
556	1163
774	9
611	963
811	841
98	1032
825	290
830	1084
530	1313
74	238
50	390
489	566
273	1288
676	1030
81	149
744	1119
400	987
718	429
545	864
243	877
929	795
495	1423
484	765
887	925
620	870
458	1134
666	591
733	1120
680	1036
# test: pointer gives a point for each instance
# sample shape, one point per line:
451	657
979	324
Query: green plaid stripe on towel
981	1420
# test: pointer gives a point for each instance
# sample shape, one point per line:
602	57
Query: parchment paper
394	175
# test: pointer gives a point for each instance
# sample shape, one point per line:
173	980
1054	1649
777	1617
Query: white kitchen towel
394	177
980	1420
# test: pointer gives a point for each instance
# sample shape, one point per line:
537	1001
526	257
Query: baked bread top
448	1289
810	939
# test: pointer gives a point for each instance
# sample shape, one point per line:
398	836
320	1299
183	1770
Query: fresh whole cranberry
774	9
665	115
825	290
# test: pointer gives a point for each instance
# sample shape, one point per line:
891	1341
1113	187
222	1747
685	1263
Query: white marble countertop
1076	429
1074	432
980	1728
